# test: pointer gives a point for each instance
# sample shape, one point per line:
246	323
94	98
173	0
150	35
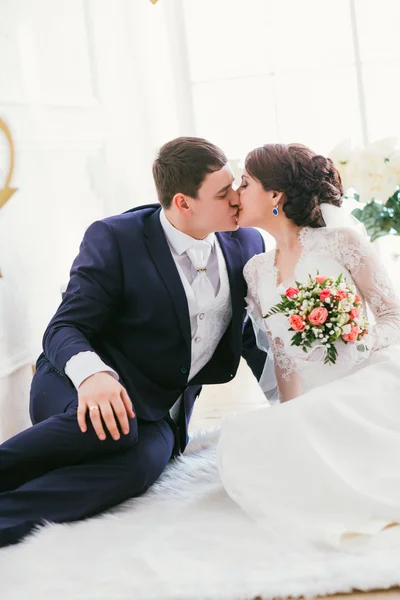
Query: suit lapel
160	253
233	255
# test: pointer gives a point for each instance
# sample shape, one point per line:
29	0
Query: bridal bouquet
322	311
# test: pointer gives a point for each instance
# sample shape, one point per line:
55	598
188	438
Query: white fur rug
186	540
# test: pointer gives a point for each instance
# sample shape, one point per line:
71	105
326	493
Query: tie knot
199	254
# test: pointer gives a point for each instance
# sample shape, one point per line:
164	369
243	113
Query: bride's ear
277	197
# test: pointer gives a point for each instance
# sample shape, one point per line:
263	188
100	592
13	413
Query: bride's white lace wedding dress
326	463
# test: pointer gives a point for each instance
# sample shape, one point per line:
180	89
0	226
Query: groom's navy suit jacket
125	301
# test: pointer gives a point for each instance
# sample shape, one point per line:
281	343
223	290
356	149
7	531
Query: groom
153	310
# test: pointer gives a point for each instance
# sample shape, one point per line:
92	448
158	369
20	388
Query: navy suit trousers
54	472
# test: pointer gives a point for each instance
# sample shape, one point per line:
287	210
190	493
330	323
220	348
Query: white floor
241	394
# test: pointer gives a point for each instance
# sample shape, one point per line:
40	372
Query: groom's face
216	207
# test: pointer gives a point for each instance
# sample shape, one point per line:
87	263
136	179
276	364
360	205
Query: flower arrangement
322	311
371	176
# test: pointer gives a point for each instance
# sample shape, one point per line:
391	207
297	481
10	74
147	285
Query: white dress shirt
179	243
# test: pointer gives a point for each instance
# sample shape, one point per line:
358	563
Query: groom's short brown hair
182	165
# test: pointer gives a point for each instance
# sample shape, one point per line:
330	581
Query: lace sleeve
250	273
370	276
279	380
287	377
254	312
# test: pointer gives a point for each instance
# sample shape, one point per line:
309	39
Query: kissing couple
168	297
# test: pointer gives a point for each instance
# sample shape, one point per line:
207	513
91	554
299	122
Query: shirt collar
180	241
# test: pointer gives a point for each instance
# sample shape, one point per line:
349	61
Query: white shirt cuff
83	365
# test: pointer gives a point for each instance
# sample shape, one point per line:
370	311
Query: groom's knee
129	439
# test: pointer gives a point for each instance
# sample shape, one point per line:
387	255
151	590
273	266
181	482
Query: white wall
88	98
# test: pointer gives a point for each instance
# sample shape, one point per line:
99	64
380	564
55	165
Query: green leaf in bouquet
339	279
296	339
331	355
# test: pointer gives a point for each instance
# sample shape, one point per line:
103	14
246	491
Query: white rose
341	156
394	166
346	329
370	174
383	147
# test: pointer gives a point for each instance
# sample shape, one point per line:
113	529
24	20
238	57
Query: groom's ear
181	204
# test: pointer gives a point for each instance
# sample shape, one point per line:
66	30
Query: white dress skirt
326	464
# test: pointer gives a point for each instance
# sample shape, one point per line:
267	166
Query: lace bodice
329	252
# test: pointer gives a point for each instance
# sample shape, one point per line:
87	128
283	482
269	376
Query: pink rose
324	295
357	299
352	336
354	313
290	292
297	323
341	295
320	279
318	316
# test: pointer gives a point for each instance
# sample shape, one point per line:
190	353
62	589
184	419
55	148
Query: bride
324	463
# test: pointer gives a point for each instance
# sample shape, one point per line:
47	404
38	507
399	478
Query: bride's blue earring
275	211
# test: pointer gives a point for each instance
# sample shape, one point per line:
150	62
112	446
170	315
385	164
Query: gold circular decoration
7	191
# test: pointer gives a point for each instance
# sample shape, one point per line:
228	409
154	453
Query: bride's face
256	203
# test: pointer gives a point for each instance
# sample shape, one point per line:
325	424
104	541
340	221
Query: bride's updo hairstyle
307	179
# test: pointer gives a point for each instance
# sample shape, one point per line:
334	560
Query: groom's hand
105	399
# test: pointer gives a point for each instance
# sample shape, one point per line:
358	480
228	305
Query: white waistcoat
211	324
